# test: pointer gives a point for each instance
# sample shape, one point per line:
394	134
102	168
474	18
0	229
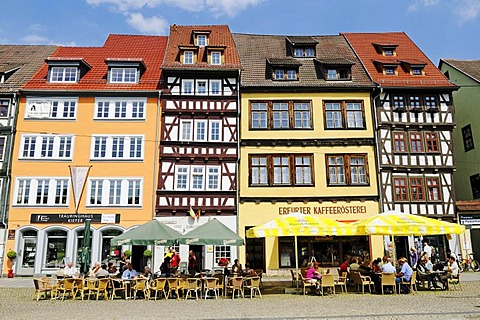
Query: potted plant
127	253
147	253
11	255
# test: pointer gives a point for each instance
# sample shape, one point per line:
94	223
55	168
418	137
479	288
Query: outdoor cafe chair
156	286
173	287
87	287
220	283
210	284
253	285
412	284
306	283
453	282
389	280
295	278
139	285
235	284
42	288
259	273
194	285
118	287
361	281
342	281
327	281
67	285
100	287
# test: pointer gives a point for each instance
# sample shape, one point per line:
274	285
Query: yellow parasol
296	224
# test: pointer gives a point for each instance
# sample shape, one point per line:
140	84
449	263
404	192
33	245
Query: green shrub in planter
128	253
147	253
11	254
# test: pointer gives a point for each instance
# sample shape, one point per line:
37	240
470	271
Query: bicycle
468	263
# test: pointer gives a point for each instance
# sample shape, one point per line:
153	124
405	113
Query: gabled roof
219	37
301	40
256	50
19	63
365	46
148	50
470	68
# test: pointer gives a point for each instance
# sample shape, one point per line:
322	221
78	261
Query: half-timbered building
197	178
306	145
414	124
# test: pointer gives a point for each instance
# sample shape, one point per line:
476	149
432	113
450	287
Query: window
222	252
285	74
467	138
123	75
475	185
3	141
119	109
398	102
115	192
433	189
298	52
117	148
400	189
416	189
216	58
416	143
414	103
197	178
188	57
54	147
202	87
388	52
277	115
42	191
390	71
338	74
400	141
56	248
347	169
304	52
200	130
417	71
431	103
215	126
51	108
281	170
215	87
187	86
201	40
344	115
431	141
4	108
63	74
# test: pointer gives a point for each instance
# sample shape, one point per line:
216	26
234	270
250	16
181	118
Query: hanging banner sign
38	109
75	218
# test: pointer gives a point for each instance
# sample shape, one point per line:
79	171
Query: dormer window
386	49
285	74
302	52
123	75
338	74
63	74
417	71
388	52
216	57
284	68
336	68
6	70
390	70
301	46
188	57
201	40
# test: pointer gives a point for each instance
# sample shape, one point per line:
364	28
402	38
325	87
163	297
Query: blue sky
441	28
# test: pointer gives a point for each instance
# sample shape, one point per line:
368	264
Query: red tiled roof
364	46
149	49
219	36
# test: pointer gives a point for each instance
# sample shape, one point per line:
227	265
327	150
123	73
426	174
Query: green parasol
150	233
85	254
212	233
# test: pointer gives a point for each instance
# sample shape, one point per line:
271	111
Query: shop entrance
137	260
255	252
28	252
198	251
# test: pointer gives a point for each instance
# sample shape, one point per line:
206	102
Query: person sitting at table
237	267
102	272
344	266
111	268
247	271
376	265
452	272
70	271
388	267
129	273
365	268
354	266
147	273
94	269
317	267
405	273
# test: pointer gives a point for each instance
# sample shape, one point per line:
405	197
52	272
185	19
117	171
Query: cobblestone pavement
16	303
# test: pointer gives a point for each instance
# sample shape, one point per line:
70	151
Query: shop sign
324	210
75	218
11	234
470	219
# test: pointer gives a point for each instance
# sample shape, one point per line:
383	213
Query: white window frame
2	151
198	124
38	142
218	58
197	88
5	103
126	152
185	171
47	184
63	70
181	137
121	199
123	75
204	37
210	130
212	85
191	83
105	109
199	173
191	55
209	174
58	108
188	171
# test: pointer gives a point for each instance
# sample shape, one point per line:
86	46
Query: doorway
29	248
137	260
198	251
255	252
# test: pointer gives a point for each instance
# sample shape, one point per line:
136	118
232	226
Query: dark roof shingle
470	68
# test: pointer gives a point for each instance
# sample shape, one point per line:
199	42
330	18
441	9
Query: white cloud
468	9
152	25
418	4
38	27
218	7
36	39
